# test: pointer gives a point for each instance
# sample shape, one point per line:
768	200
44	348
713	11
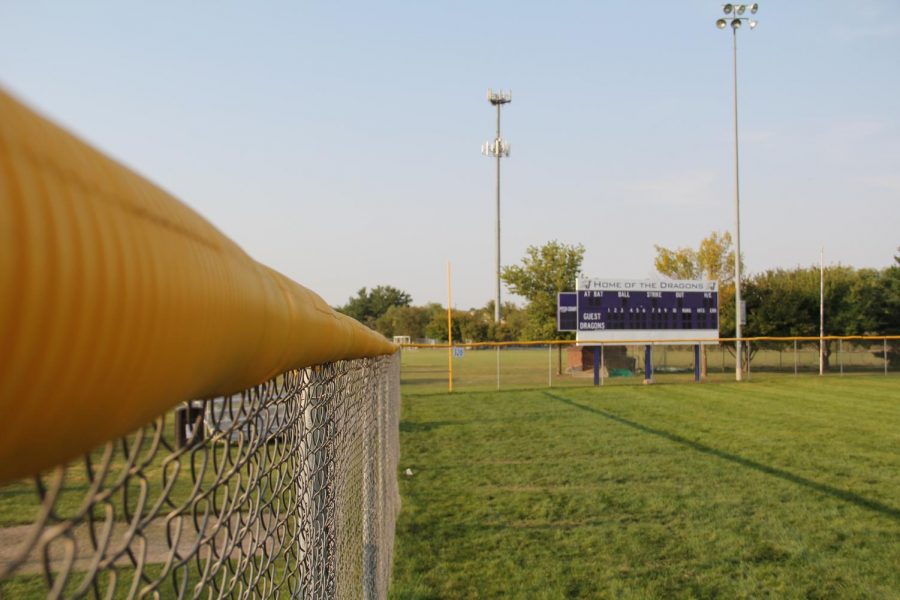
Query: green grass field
425	369
781	487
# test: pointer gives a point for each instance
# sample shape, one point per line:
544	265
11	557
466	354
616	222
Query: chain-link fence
526	365
286	490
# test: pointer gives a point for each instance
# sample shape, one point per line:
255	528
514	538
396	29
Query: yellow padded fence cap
117	302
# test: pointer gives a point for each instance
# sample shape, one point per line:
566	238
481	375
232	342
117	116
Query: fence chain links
285	490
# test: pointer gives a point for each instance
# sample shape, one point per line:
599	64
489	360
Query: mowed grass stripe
677	491
832	449
745	462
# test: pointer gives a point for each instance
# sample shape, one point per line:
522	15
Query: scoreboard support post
596	365
602	365
697	363
648	363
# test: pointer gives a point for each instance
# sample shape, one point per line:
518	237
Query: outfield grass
780	487
783	486
426	370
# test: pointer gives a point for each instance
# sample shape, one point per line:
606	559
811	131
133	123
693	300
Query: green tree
880	295
437	325
891	309
545	271
404	320
368	306
783	302
512	328
712	260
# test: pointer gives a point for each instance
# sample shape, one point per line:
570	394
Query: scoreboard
602	310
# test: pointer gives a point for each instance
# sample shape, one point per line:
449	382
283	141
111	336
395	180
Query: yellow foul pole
449	336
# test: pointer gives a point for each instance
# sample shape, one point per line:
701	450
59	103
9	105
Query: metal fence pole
748	359
498	368
841	355
648	363
318	421
696	362
369	504
795	358
549	365
603	365
884	346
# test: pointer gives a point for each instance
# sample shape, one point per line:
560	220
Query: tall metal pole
737	211
822	312
497	299
733	13
497	149
449	335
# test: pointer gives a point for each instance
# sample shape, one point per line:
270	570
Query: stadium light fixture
498	148
736	10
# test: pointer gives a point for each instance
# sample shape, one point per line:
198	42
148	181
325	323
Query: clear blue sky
340	142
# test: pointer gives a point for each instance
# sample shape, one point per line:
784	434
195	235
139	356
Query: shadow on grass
410	426
861	501
424	426
413	381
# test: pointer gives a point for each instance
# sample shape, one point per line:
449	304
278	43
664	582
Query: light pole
497	149
822	312
735	18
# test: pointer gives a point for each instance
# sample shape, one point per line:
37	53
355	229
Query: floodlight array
736	12
499	97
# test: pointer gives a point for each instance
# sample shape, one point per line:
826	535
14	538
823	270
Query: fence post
648	363
559	357
498	368
549	365
795	357
602	365
318	422
884	345
748	359
369	503
697	362
841	355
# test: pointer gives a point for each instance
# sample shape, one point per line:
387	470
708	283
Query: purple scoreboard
669	312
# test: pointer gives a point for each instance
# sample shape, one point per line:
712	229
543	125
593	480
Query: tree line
390	312
780	302
785	302
544	271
